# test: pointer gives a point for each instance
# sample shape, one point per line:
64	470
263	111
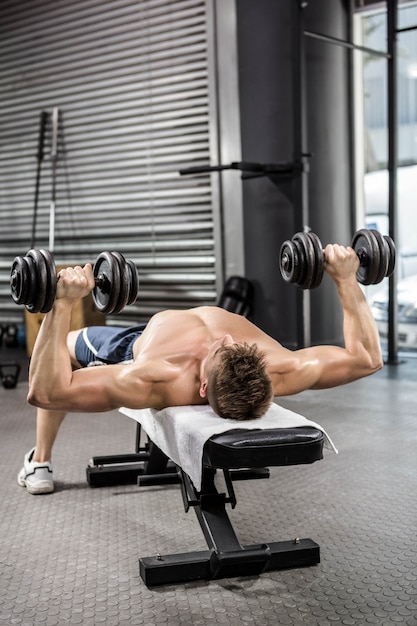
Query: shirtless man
201	355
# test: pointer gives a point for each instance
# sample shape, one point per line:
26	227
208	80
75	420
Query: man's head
237	384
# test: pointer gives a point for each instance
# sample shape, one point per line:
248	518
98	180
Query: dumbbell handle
361	254
363	257
99	281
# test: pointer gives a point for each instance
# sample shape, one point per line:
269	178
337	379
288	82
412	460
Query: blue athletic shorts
97	345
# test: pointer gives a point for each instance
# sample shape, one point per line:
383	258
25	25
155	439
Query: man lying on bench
193	357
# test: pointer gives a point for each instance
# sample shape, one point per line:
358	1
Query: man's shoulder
203	312
196	310
211	310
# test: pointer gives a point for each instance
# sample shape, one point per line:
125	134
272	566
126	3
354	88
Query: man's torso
174	343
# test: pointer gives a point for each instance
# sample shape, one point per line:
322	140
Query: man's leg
36	474
47	427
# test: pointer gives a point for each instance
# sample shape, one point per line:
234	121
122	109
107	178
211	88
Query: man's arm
322	367
52	383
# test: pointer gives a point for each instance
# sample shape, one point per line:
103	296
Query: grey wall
266	74
131	80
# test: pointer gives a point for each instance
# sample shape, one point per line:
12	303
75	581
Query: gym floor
72	557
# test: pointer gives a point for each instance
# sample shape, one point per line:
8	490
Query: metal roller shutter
131	80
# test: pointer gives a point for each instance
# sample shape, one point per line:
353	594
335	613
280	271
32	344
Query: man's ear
203	388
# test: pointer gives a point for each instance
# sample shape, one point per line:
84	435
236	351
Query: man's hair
238	384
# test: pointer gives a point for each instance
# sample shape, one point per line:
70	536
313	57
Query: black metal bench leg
226	557
148	462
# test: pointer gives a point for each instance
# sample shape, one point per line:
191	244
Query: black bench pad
241	448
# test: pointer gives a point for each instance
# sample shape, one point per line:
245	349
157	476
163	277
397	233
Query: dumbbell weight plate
107	271
366	247
305	255
133	282
319	261
289	264
392	255
123	287
33	281
35	261
311	270
20	279
129	286
50	290
44	267
384	256
34	301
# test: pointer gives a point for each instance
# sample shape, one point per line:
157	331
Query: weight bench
189	445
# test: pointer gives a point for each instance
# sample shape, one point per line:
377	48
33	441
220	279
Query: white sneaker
36	477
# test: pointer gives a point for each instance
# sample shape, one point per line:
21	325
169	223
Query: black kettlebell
9	374
10	336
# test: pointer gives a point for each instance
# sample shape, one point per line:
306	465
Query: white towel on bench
181	431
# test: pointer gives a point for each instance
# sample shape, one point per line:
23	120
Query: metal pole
40	155
300	156
54	158
351	114
344	44
392	174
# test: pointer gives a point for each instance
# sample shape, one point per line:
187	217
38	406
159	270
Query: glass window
374	34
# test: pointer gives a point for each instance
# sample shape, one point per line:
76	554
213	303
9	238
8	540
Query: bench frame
225	557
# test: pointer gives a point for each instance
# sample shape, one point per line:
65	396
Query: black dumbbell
33	281
302	258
